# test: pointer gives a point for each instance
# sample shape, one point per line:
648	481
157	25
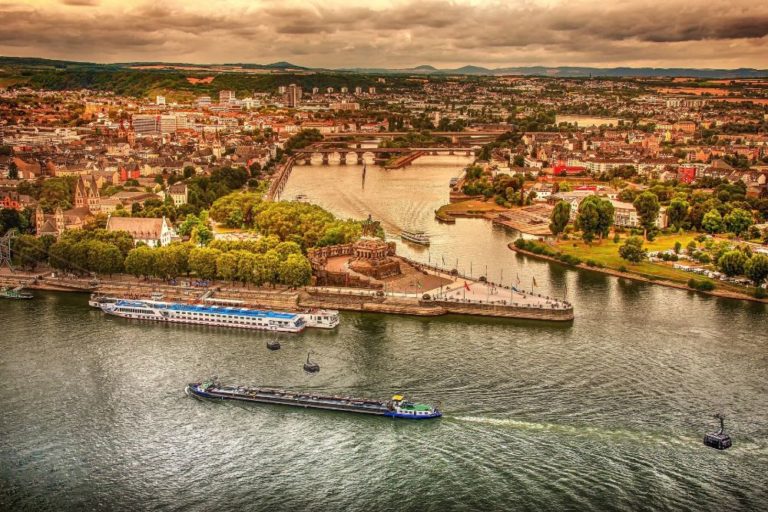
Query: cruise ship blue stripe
210	310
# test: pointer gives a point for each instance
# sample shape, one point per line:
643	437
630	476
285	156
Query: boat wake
575	430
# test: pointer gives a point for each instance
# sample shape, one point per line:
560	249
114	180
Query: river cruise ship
397	407
417	237
173	312
317	318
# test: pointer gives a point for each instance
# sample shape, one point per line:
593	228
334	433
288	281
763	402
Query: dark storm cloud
442	32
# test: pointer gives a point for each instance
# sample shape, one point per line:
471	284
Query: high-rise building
204	101
329	90
315	90
145	124
344	90
166	124
226	96
281	89
160	100
358	90
371	90
292	96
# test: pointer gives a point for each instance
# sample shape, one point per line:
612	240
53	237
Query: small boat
311	366
301	198
397	407
273	345
417	237
15	294
718	440
96	300
321	318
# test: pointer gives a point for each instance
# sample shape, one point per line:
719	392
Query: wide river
605	413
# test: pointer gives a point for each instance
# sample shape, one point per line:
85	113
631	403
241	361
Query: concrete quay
448	301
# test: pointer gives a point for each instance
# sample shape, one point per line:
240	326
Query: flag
518	278
418	283
534	282
443	257
466	286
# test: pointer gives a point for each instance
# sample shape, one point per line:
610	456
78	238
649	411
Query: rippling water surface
606	413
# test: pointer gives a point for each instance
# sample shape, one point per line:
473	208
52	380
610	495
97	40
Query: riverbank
286	299
531	220
472	208
727	294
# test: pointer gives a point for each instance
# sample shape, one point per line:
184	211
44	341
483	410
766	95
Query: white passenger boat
173	312
417	237
321	318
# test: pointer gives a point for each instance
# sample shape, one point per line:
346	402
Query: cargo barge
397	407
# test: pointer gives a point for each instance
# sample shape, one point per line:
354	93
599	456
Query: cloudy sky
398	33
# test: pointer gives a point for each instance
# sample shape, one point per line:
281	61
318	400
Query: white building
152	232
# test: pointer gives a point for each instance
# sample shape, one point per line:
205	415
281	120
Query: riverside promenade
463	296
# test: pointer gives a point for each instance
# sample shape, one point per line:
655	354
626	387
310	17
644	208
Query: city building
87	194
145	124
625	215
179	193
292	96
226	96
151	231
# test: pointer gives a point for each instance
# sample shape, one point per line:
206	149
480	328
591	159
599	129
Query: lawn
607	253
471	206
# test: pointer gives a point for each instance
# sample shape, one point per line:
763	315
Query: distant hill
150	78
572	72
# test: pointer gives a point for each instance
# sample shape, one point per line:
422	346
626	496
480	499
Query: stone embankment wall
531	313
413	306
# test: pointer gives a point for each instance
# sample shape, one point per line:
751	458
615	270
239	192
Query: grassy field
470	207
607	253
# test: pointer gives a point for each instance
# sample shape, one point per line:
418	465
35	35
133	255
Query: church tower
58	220
39	220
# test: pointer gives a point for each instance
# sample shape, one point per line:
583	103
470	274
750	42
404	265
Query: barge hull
293	402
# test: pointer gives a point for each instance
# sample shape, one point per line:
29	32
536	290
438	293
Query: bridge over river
356	156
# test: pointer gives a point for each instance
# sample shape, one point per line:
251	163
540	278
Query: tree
201	235
677	212
28	251
140	262
712	222
10	219
226	266
560	217
271	266
295	270
13	171
678	247
595	217
732	263
632	249
738	221
647	206
202	261
104	258
756	268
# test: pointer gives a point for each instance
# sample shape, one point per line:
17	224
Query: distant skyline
398	34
